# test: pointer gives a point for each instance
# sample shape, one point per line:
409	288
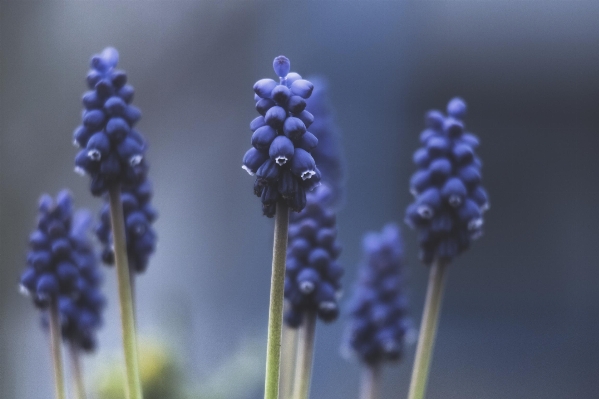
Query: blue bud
479	195
94	119
275	117
252	160
457	108
126	93
470	214
40	260
115	106
299	248
104	88
307	141
294	128
130	151
471	140
61	247
420	181
438	146
263	137
421	158
136	224
132	114
264	87
319	258
463	154
302	164
454	192
47	286
38	240
281	150
98	146
117	129
440	169
257	123
281	66
470	176
119	78
306	117
453	128
296	105
428	202
291	78
281	94
326	237
434	120
307	280
93	77
264	105
269	171
91	100
28	280
81	135
302	88
67	273
106	60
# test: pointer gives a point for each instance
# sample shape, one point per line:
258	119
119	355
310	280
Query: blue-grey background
521	311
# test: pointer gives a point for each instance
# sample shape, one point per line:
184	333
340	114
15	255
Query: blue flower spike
111	152
449	200
448	209
378	309
280	158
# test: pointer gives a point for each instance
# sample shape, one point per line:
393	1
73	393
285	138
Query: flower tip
281	65
457	108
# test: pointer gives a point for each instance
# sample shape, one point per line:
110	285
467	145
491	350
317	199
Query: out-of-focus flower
449	199
378	309
313	276
139	217
280	157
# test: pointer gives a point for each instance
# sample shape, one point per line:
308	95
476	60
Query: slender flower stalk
288	355
77	372
447	212
370	385
125	299
305	351
428	330
275	313
55	339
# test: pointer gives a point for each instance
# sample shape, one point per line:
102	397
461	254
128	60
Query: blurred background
521	311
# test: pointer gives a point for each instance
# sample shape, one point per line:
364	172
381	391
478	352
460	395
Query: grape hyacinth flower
447	212
284	169
112	151
113	154
281	145
139	217
52	271
378	311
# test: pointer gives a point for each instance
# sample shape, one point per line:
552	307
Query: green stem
288	361
303	362
133	387
77	372
55	344
428	330
275	312
370	385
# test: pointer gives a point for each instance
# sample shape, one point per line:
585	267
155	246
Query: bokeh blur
521	310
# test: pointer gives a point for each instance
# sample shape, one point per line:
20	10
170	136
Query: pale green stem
56	346
428	330
303	362
275	312
77	372
133	386
370	385
288	361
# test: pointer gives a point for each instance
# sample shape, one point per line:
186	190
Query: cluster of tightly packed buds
449	199
313	277
81	316
52	269
378	309
140	236
112	151
280	158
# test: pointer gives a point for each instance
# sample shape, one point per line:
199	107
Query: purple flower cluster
449	199
52	269
280	157
379	307
312	280
81	316
112	151
139	217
